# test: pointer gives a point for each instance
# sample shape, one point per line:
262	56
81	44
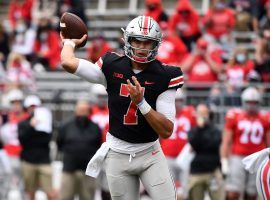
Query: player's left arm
162	125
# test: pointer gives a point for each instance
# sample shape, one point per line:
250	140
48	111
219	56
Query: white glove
225	166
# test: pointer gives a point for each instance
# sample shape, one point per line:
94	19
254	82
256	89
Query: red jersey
171	50
9	134
249	131
188	25
20	10
200	71
219	22
184	121
101	118
50	48
237	74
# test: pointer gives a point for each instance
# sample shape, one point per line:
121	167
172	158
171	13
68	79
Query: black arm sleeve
25	131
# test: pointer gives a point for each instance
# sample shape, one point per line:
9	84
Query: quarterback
141	100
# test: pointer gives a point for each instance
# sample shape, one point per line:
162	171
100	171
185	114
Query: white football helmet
100	96
142	28
251	94
31	100
15	95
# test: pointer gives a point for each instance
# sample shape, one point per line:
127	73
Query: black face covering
82	121
184	13
151	7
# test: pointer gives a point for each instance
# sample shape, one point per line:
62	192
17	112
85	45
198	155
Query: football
73	27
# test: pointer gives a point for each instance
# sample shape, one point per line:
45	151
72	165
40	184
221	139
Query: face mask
20	28
240	58
82	121
184	13
43	36
220	6
151	7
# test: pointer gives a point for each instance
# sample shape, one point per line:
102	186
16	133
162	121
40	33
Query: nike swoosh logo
148	83
155	152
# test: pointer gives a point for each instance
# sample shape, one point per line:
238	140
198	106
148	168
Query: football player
246	131
259	163
100	115
141	100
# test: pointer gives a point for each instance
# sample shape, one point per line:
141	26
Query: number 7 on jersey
131	117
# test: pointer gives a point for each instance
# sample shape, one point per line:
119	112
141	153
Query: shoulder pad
175	75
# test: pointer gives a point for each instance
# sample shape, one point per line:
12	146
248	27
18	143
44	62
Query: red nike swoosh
148	83
154	152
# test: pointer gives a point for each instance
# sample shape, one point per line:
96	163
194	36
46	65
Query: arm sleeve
166	104
25	131
60	137
90	72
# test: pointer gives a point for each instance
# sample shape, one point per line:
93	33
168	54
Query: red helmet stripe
145	25
265	180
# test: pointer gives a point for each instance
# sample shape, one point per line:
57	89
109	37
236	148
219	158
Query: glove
225	166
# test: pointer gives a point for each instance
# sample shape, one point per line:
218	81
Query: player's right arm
80	67
225	150
227	139
226	143
68	59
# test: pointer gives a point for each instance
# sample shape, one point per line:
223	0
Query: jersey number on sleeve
131	117
251	131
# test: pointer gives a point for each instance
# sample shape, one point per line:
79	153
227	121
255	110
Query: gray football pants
150	166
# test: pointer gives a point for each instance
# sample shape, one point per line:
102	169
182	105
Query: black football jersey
125	120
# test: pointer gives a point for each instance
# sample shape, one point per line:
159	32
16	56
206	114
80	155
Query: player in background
246	131
100	115
141	101
185	119
99	107
259	163
11	143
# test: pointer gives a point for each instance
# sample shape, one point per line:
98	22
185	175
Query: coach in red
141	100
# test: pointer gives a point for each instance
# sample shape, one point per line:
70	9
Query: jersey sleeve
90	72
230	119
175	77
105	62
100	63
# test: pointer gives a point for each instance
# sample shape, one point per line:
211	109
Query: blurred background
222	46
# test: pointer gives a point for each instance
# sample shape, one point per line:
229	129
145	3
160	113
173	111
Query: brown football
73	27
